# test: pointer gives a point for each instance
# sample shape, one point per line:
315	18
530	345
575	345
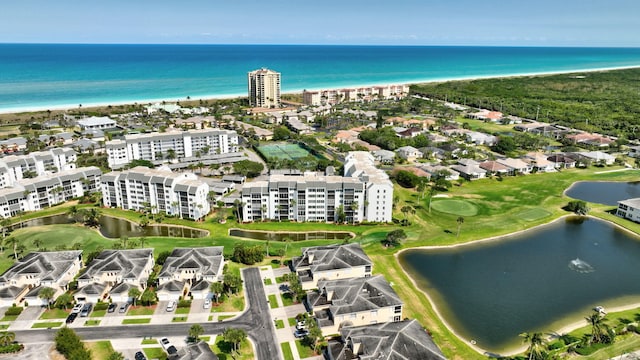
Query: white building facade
14	168
365	193
264	88
177	144
629	209
179	194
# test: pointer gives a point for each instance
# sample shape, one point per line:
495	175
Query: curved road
256	321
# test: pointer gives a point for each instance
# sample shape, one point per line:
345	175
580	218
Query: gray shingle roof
332	257
387	341
205	260
354	295
129	263
48	266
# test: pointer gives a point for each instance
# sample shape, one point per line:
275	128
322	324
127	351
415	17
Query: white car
171	306
165	343
206	304
77	308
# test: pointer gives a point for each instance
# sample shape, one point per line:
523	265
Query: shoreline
519	349
209	97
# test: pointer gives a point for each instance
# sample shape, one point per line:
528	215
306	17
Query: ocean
50	76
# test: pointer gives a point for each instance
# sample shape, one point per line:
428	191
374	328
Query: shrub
11	348
14	311
556	345
184	303
101	306
590	349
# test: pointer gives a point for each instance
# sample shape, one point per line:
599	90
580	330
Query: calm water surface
294	236
491	292
604	192
114	228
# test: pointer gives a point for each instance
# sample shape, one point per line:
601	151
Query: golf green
455	207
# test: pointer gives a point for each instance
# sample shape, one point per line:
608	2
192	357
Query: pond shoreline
510	351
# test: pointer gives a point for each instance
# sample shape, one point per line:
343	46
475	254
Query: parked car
171	350
207	303
171	306
140	356
71	317
123	308
77	308
165	343
301	325
300	333
86	310
112	307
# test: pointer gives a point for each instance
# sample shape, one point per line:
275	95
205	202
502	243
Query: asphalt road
256	321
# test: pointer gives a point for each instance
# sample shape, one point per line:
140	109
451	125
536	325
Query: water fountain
580	266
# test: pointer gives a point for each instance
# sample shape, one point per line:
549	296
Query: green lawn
179	319
231	303
98	313
4	326
223	349
136	321
9	318
286	351
149	341
155	353
92	323
141	310
280	280
279	324
267	281
273	302
223	317
100	350
287	299
534	214
183	310
304	351
54	314
46	325
292	321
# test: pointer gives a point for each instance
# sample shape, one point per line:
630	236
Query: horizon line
322	44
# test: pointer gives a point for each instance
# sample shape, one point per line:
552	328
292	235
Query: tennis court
283	151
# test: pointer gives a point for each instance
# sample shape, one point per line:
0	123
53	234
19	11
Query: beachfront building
156	190
28	276
629	209
14	168
170	145
113	273
48	190
389	341
190	271
96	123
264	88
365	93
354	302
365	193
330	262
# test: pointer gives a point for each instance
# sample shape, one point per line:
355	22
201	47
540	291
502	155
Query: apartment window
397	309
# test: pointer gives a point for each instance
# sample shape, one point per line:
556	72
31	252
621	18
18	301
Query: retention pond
539	280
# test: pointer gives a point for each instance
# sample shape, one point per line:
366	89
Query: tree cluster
394	238
248	168
407	179
69	344
387	139
578	207
247	255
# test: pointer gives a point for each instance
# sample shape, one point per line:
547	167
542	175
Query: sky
613	23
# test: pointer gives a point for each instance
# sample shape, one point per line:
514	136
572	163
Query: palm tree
47	294
460	221
353	207
536	343
263	211
37	243
134	294
216	289
7	337
5	223
171	154
598	327
432	192
195	331
15	242
73	212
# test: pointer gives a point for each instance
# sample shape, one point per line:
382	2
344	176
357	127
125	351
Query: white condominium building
180	194
170	145
14	168
367	93
264	88
365	193
48	190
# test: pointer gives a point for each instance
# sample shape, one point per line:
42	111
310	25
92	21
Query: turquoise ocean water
43	76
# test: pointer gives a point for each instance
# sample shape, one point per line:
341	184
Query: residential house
539	162
353	302
629	209
96	123
435	171
384	156
409	153
196	351
494	168
113	273
469	169
634	151
190	271
410	133
28	276
479	138
516	166
562	161
597	157
388	341
330	262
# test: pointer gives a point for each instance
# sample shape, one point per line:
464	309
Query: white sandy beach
297	91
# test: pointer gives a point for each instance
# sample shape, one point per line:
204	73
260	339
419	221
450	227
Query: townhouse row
345	298
187	272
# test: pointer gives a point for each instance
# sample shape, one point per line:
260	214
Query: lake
114	228
539	280
604	192
294	236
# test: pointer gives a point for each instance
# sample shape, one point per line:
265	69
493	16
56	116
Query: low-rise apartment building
366	93
354	302
14	168
96	123
47	190
170	145
113	273
159	190
190	271
331	262
629	209
28	276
